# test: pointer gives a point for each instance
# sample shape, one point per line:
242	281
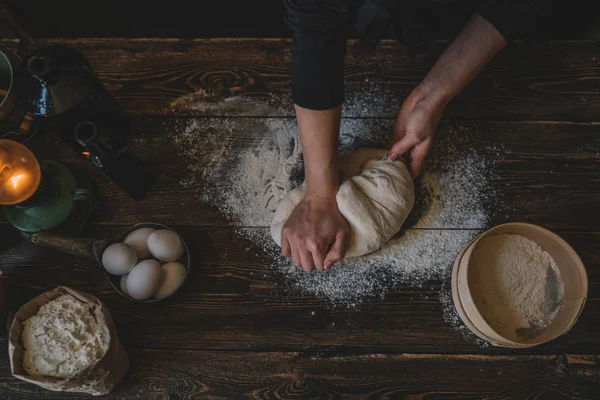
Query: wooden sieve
572	273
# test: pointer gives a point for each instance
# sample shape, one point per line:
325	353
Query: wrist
322	182
324	190
321	192
434	94
319	200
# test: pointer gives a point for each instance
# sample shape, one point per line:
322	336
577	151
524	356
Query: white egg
144	279
138	239
173	275
123	285
119	259
165	245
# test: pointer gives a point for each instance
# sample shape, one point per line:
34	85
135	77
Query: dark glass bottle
57	85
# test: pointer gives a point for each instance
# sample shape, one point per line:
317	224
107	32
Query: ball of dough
376	196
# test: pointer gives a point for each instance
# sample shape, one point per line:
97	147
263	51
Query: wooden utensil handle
82	247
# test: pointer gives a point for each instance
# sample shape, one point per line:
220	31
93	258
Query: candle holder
40	196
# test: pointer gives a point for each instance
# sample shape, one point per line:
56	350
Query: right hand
316	234
415	128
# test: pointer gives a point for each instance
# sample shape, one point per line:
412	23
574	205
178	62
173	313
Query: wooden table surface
231	332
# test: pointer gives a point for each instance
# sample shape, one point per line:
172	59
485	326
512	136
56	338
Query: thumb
402	146
417	158
337	251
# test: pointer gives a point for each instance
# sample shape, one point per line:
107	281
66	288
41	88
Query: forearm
468	53
319	135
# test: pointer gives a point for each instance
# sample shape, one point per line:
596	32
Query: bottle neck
40	67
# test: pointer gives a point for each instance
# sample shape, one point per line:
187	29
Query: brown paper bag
97	379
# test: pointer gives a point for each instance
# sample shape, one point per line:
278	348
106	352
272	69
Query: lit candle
20	172
19	181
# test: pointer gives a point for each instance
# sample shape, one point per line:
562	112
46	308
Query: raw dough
376	196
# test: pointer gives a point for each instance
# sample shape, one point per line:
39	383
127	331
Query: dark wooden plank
527	81
224	375
235	301
542	173
545	173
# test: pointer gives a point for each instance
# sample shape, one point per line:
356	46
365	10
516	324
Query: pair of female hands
316	234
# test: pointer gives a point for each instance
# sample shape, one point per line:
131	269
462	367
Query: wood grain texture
527	81
226	375
236	329
235	300
542	173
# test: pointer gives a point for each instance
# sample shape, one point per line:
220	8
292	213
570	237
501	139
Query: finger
337	251
417	158
295	254
307	260
398	133
285	247
402	146
400	125
319	259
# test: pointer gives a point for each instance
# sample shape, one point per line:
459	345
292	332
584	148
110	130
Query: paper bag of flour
101	376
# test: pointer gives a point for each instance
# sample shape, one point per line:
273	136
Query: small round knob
38	65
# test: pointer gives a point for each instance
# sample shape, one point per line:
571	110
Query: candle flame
16	179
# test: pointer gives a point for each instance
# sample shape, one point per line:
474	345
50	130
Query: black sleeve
320	30
514	19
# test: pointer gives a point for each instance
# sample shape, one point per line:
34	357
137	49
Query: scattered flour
246	181
453	319
369	100
516	285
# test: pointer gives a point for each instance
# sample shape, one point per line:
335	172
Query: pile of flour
516	285
246	176
62	339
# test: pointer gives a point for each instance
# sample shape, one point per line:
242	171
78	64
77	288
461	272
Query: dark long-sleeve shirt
322	27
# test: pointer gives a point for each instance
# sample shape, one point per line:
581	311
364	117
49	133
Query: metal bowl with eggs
147	263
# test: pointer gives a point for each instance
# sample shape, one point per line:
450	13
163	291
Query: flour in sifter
515	284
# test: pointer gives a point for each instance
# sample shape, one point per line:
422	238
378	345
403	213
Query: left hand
415	128
316	234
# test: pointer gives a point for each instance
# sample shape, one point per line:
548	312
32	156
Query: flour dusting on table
245	179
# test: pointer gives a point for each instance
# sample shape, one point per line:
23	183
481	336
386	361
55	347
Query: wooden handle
82	247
